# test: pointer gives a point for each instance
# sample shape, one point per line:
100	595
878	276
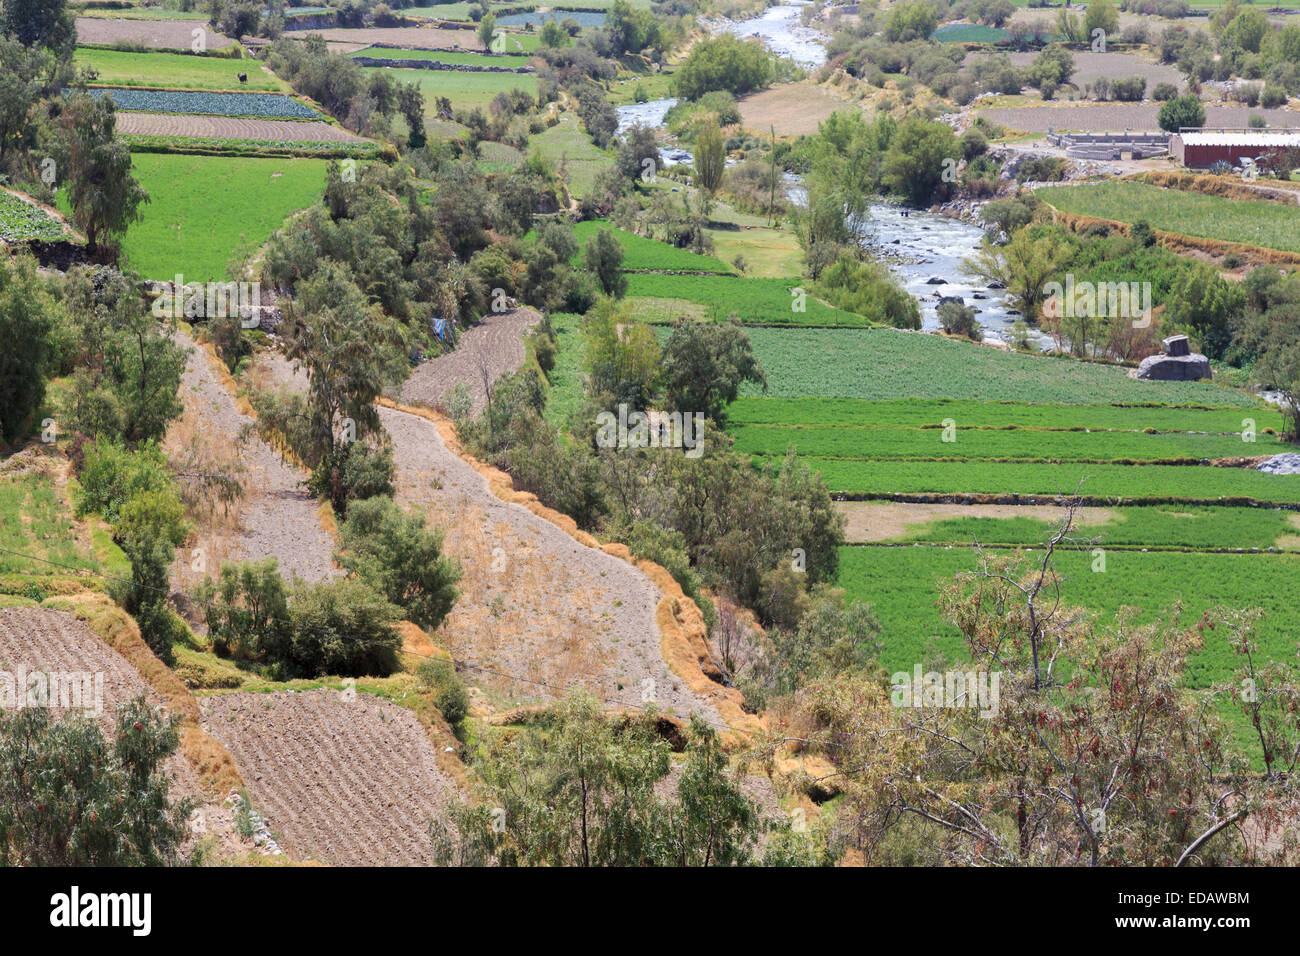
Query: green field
903	584
450	57
968	414
989	444
1193	528
1267	224
121	68
203	207
21	220
465	90
568	377
568	146
1117	483
753	301
646	255
887	364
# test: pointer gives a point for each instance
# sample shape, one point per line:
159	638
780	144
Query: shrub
353	472
392	552
1163	92
1179	112
1273	96
339	627
449	693
70	797
959	319
247	610
1129	90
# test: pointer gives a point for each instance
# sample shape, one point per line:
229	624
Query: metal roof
1254	138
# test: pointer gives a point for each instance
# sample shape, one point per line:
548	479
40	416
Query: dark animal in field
243	77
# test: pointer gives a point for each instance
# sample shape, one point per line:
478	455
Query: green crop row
1154	526
1193	483
969	414
887	363
1017	444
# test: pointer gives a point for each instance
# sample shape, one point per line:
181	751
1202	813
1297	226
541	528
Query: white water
779	28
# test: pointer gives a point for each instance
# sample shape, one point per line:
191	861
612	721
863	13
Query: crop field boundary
1010	498
1175	241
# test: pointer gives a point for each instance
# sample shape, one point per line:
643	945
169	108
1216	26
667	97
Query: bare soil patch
412	38
350	782
884	520
795	109
1089	66
277	516
494	347
1107	117
229	127
536	604
159	34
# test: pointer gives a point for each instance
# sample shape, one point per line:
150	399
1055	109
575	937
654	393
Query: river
918	247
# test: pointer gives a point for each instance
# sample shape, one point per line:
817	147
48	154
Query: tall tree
710	158
104	195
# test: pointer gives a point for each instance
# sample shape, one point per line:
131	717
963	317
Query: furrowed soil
494	347
158	34
349	782
40	639
229	127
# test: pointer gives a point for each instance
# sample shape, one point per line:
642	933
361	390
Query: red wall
1207	155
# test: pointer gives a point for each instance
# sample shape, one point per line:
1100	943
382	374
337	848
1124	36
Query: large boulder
1174	368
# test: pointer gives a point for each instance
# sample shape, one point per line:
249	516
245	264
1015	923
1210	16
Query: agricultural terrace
182	71
464	89
203	208
22	219
447	57
568	147
258	105
886	416
1257	223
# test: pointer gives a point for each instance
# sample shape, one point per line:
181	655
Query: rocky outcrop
1287	463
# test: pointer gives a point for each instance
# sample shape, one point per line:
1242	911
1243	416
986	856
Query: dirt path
278	517
345	780
494	347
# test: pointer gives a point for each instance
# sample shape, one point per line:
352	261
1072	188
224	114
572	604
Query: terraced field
758	302
156	34
264	105
22	219
1257	223
448	57
463	89
231	127
128	68
203	207
349	782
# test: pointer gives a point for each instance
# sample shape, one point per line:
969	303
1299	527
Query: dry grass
682	632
